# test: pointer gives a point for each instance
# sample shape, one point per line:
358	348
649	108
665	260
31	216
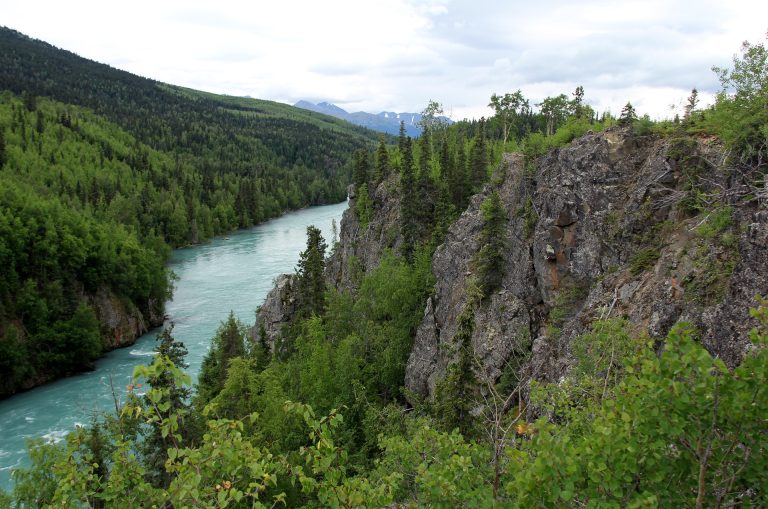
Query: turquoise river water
233	273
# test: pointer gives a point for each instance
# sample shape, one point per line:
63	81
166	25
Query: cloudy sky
396	55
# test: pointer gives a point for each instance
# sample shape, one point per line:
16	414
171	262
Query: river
229	273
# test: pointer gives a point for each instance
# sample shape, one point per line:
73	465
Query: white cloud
396	55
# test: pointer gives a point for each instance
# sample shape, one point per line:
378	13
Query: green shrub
643	260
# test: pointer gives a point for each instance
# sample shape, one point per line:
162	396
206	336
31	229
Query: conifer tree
382	162
628	115
261	353
360	170
425	152
228	343
364	206
408	203
446	160
459	184
425	187
577	103
155	446
490	258
455	394
478	159
311	282
402	138
445	213
690	107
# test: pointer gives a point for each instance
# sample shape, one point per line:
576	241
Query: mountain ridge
385	121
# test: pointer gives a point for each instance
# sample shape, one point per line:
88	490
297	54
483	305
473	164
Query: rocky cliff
360	249
357	251
650	229
656	230
121	322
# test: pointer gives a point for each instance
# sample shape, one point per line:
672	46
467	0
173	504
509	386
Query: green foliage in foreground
676	429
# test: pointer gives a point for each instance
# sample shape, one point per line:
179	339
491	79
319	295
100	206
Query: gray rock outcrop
607	238
605	227
360	249
277	311
121	322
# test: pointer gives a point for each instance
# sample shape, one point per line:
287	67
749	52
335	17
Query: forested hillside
102	171
545	309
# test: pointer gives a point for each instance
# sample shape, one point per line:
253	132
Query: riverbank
213	278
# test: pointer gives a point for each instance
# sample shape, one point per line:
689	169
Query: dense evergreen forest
102	171
320	419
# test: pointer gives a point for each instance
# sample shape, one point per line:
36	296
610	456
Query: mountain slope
101	170
148	108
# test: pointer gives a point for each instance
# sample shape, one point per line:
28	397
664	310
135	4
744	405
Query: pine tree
408	203
577	103
690	107
459	184
425	153
261	353
382	162
446	160
425	187
363	206
445	213
478	158
490	259
628	115
401	138
311	282
228	343
455	394
154	447
360	170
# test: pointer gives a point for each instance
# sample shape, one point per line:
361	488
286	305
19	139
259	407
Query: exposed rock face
503	321
121	322
608	240
598	229
360	249
277	311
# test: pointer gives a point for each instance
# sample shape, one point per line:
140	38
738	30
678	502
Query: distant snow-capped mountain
386	121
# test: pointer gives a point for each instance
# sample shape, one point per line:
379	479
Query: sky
397	55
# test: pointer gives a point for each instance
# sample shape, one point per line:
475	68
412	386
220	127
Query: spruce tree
425	187
360	170
456	393
155	446
628	115
490	259
382	162
425	152
402	139
446	160
445	213
459	185
311	282
364	206
478	159
690	107
228	343
408	203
